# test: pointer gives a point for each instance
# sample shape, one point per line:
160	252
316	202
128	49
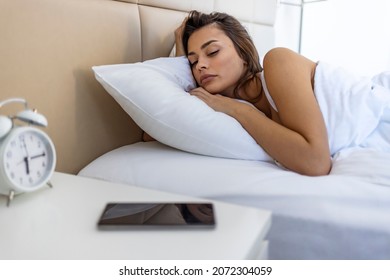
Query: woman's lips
204	79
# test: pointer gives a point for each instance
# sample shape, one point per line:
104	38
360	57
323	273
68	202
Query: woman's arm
289	78
178	39
299	141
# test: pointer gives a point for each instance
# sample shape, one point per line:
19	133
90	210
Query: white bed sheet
345	215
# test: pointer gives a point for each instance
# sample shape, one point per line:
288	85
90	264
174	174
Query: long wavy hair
237	33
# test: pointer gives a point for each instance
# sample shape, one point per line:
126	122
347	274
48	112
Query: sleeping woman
282	112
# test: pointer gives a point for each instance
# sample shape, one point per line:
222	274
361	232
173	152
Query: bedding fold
356	109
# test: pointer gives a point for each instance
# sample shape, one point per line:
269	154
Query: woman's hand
218	102
178	39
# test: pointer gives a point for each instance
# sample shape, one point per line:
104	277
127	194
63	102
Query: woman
285	119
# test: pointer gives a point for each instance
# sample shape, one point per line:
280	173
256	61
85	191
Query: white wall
351	33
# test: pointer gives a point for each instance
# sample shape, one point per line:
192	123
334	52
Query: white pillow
155	95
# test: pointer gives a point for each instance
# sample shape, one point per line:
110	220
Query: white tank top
269	98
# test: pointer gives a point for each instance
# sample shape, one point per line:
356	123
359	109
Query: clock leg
10	197
49	184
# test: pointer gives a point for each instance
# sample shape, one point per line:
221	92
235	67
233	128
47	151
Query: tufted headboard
48	47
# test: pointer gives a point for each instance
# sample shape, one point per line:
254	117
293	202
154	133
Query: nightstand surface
60	223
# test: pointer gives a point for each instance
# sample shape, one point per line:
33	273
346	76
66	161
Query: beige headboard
47	49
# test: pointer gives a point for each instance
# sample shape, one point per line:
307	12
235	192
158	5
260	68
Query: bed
345	215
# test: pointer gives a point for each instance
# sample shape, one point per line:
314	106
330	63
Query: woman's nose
202	63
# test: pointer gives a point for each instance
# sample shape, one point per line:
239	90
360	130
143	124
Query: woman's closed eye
213	53
193	63
210	54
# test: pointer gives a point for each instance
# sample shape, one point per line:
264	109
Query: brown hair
236	32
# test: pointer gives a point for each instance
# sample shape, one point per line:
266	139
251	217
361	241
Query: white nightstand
60	223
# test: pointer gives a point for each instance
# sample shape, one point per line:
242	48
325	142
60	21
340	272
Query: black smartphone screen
157	214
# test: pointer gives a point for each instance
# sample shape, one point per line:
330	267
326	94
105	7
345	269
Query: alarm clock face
28	158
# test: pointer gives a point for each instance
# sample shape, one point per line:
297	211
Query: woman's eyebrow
203	46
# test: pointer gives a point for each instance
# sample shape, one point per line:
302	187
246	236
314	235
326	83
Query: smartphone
124	215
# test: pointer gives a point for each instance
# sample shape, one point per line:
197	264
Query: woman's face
214	61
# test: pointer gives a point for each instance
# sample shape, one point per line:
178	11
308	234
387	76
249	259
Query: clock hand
26	161
27	165
40	155
25	146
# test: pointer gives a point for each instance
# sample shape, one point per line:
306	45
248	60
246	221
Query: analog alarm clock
27	154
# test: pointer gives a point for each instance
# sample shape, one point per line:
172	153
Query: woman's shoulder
281	50
280	61
279	53
285	55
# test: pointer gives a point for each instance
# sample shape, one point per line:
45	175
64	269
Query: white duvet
356	110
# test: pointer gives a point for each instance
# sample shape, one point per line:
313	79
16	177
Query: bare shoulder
280	58
278	53
295	70
289	78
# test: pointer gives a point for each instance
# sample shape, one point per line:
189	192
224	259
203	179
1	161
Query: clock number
21	141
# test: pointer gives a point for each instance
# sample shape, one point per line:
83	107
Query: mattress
344	215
